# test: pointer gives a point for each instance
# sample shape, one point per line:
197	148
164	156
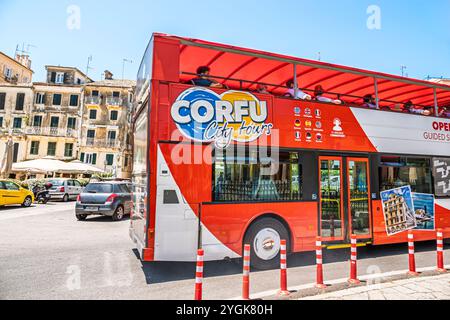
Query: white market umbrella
79	167
7	161
42	165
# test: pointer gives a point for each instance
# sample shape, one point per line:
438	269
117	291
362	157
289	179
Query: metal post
283	272
246	274
295	82
377	99
436	107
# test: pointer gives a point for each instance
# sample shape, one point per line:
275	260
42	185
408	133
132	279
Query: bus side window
170	197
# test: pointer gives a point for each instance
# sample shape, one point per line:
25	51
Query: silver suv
64	189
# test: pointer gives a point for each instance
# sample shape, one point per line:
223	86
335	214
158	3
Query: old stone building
55	124
16	100
67	117
106	130
17	70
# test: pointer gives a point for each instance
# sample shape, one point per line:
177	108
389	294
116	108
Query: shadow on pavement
161	272
12	208
104	219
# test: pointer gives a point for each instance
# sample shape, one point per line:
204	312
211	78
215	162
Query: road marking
268	293
17	213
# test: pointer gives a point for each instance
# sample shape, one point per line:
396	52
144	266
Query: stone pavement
420	288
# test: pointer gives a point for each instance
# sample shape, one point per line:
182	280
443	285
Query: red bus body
173	230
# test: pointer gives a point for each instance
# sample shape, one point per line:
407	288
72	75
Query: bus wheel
265	236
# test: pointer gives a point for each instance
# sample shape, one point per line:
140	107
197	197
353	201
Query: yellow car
11	193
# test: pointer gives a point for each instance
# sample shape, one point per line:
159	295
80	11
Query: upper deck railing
243	69
346	99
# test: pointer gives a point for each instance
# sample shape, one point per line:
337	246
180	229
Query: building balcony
112	143
39	107
72	133
102	143
34	131
52	132
92	100
98	122
114	101
17	131
4	132
90	142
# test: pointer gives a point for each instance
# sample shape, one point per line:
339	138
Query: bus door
344	198
177	227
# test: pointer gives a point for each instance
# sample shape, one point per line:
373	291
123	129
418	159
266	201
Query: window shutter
94	158
82	157
66	77
20	101
2	100
53	77
74	100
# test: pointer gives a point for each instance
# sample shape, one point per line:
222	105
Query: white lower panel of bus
176	230
400	133
444	203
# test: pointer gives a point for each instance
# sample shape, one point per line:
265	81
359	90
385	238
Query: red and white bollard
199	275
319	263
283	269
353	261
412	260
246	274
440	250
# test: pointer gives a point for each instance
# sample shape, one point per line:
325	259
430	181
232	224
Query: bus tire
264	237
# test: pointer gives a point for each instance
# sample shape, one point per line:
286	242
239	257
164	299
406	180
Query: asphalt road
45	253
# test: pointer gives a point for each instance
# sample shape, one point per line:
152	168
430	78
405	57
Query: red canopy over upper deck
243	68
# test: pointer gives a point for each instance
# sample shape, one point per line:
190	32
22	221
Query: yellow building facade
106	129
67	117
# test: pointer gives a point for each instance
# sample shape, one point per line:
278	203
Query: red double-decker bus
269	147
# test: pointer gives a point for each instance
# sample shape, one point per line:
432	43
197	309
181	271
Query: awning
48	165
241	68
80	167
39	165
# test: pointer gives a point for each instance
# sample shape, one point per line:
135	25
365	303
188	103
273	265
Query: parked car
11	193
112	199
64	189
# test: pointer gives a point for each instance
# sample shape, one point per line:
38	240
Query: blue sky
413	33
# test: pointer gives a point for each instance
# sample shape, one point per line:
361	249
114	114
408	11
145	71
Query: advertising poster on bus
398	209
441	174
424	211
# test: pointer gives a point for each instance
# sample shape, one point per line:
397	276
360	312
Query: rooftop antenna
23	51
123	66
88	67
403	68
30	46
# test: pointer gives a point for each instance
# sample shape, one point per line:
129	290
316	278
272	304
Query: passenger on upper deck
262	88
409	107
291	92
369	101
444	112
203	79
318	94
